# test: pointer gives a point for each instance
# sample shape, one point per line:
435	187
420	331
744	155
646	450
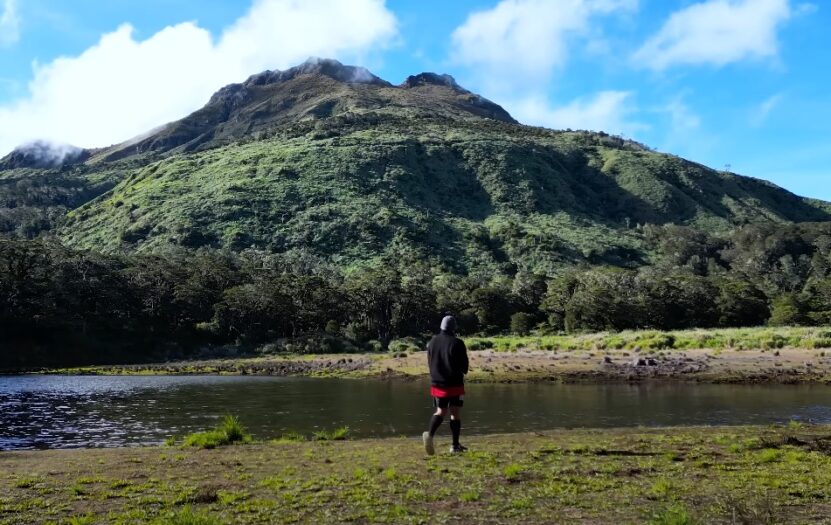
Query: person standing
448	364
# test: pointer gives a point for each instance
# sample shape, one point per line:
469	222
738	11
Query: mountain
332	162
318	89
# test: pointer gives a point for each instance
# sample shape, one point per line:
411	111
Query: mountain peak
423	79
319	88
42	154
328	67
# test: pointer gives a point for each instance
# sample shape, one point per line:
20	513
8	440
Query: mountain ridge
332	161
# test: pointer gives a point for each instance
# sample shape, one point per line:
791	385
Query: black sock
456	429
435	423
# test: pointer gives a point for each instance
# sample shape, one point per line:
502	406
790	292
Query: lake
111	411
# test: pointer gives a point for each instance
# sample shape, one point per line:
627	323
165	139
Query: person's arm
464	364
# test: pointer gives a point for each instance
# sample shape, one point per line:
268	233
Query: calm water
88	411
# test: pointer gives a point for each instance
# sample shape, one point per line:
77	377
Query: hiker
447	360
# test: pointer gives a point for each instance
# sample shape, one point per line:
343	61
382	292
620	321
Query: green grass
338	434
673	515
667	476
187	516
229	432
761	338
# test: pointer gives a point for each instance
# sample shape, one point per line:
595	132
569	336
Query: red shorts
447	391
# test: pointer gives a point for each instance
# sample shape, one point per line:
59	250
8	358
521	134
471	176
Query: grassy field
662	476
759	338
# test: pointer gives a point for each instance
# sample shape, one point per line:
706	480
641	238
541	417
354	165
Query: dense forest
61	306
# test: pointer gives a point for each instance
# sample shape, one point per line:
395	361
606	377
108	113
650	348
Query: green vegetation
713	339
229	432
359	214
66	307
339	434
672	476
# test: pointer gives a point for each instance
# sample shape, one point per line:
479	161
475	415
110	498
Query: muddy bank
789	365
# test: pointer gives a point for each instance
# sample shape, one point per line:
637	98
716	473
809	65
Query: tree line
60	306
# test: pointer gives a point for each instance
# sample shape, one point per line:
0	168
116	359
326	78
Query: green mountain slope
330	161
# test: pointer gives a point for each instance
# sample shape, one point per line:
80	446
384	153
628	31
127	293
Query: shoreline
780	366
702	474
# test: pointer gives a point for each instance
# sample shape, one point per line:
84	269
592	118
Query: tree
817	301
521	323
388	303
493	307
787	310
740	303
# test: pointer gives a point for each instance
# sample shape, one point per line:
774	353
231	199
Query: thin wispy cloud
9	23
123	86
761	113
682	117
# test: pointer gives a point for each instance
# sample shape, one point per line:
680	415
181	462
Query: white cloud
513	49
9	23
122	86
525	39
764	109
607	111
717	32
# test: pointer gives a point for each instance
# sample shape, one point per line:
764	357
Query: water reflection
88	411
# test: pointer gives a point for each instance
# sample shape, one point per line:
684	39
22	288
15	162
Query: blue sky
738	82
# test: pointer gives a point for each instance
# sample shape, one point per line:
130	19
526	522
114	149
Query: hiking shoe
428	443
457	449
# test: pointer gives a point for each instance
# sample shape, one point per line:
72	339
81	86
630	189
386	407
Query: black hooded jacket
447	359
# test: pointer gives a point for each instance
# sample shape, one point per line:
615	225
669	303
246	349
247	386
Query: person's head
448	324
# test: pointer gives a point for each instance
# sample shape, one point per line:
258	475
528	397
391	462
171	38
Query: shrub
339	434
230	431
819	343
332	327
521	323
657	342
786	310
408	344
774	341
268	349
233	429
374	346
480	344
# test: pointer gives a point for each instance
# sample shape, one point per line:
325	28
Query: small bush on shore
407	344
338	434
229	432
